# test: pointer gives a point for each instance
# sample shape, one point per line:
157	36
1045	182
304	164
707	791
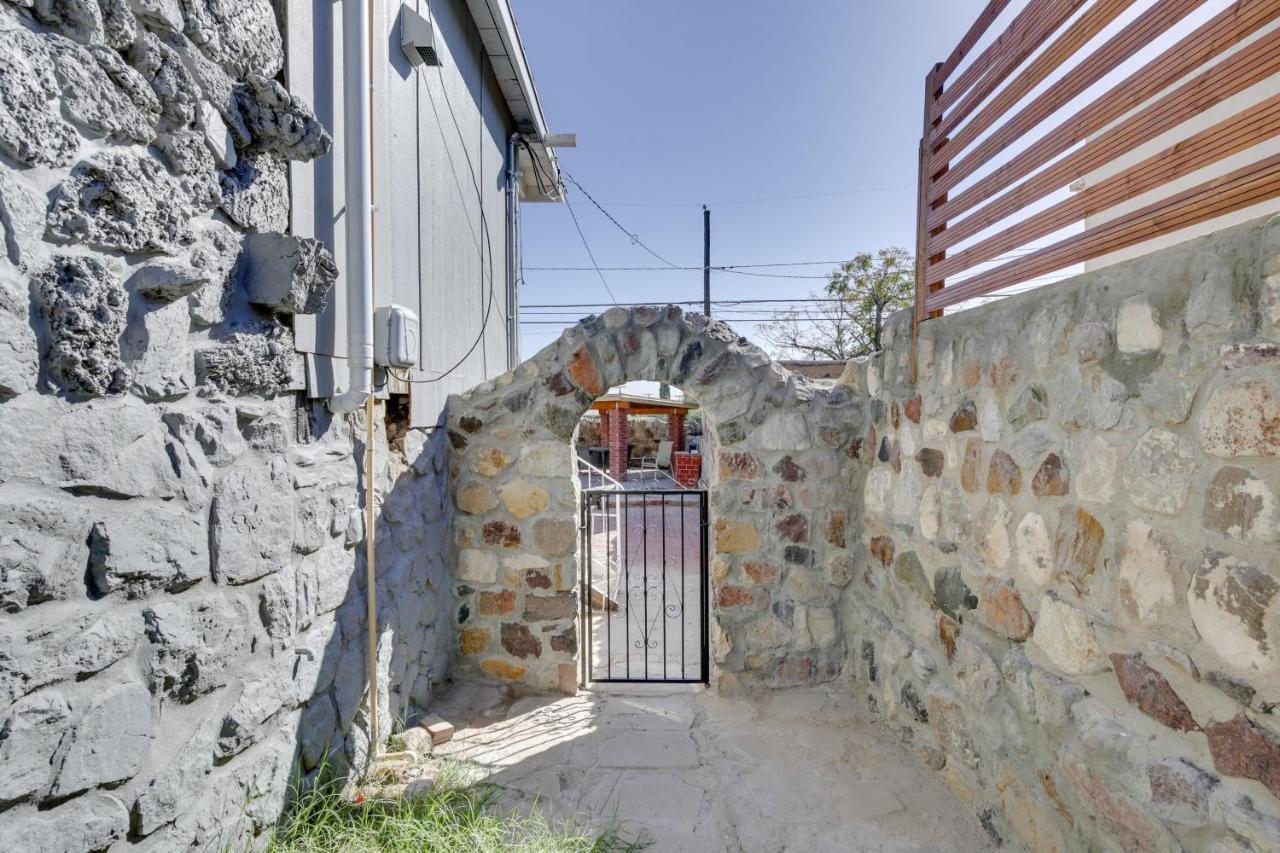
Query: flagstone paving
687	770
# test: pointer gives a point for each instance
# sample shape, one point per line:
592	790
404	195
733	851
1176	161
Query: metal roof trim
497	18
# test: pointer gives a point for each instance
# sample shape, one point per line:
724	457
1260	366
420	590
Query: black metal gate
644	586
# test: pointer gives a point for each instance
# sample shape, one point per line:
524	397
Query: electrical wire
763	199
488	243
718	267
690	302
635	238
544	188
577	226
739	268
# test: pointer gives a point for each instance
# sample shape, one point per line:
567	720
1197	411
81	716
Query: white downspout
357	102
357	114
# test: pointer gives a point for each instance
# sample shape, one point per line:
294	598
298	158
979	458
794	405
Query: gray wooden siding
434	128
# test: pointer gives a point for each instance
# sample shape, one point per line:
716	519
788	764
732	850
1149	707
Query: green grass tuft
453	816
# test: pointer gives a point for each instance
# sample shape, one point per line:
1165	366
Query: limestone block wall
1067	592
780	533
181	557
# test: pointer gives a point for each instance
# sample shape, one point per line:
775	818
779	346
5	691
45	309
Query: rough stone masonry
180	532
1052	565
780	526
1068	593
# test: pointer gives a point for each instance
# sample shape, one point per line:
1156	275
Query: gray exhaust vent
417	39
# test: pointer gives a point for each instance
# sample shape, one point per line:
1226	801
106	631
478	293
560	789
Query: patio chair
661	460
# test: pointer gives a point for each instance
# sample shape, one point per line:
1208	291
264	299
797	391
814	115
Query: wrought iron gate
644	586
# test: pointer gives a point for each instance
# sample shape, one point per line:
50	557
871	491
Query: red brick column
675	430
617	443
687	468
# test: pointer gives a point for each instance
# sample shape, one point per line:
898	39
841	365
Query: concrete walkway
690	771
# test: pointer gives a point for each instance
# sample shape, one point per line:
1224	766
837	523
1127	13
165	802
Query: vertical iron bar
608	592
626	585
684	601
664	588
644	555
590	579
584	583
588	630
706	628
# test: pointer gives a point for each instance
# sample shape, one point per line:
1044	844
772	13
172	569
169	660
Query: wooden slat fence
973	186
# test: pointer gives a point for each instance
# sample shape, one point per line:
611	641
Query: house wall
440	190
181	531
1068	593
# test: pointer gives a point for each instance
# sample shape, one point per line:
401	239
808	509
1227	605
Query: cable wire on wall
488	243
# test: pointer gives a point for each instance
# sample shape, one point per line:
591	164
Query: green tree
861	295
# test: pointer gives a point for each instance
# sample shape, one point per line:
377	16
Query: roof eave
501	39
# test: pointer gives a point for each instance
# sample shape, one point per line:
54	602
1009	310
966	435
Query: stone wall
1052	565
779	527
181	558
1069	552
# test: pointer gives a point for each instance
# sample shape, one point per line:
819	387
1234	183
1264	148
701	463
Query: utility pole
706	261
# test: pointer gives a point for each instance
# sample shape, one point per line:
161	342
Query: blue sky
680	102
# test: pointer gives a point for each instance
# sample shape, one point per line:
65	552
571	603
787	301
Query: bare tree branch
870	288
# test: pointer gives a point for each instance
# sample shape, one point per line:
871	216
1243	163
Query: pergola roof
634	405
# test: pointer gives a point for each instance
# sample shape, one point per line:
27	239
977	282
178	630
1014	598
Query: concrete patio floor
687	770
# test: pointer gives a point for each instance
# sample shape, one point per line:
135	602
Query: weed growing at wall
452	815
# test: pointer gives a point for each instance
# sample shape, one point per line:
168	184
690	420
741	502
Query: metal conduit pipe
357	112
513	251
357	98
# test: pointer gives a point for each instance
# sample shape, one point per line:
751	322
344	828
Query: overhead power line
763	199
795	301
738	268
719	267
587	246
635	238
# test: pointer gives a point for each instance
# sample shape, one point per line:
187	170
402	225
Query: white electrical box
395	336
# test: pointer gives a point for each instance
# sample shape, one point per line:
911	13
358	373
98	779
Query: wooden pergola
634	405
614	410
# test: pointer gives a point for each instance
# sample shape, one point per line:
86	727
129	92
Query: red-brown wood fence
975	116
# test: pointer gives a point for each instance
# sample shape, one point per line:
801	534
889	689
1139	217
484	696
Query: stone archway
782	493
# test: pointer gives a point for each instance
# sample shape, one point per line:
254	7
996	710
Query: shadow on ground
691	771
